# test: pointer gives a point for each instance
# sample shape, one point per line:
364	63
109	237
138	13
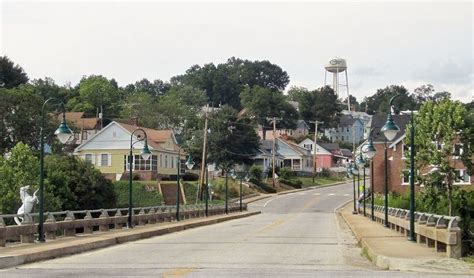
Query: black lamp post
63	133
355	172
226	193
389	130
145	154
370	153
207	192
361	165
351	171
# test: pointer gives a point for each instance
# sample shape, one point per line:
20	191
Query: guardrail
71	223
438	231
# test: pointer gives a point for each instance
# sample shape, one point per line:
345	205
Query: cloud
447	71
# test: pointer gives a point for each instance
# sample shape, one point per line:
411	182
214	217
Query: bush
256	173
286	173
190	191
325	173
263	186
188	176
292	183
140	196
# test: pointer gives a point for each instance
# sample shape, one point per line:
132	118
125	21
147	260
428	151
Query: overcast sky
384	43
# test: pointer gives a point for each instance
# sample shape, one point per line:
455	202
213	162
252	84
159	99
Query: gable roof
154	137
294	147
77	120
348	120
378	122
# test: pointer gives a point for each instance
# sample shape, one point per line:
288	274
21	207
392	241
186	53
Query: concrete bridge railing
438	231
71	223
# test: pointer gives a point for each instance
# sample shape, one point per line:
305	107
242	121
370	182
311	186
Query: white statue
27	206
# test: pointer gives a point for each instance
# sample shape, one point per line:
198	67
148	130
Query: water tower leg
348	95
325	74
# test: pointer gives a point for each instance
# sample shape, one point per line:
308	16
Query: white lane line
302	193
317	194
331	194
268	202
346	194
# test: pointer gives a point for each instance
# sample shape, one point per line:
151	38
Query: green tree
378	103
142	106
354	103
18	169
264	104
321	105
155	89
11	75
47	88
438	127
96	91
297	93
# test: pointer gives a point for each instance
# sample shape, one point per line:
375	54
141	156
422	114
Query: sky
402	43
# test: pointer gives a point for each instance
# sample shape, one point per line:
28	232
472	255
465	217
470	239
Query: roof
154	136
378	122
330	146
346	152
302	124
76	120
348	120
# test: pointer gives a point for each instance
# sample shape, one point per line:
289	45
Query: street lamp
63	133
145	154
361	165
355	172
370	153
389	130
241	177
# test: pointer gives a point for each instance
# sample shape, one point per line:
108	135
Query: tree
155	89
96	91
263	104
438	127
354	103
297	93
18	169
423	93
141	106
378	103
47	88
11	75
321	105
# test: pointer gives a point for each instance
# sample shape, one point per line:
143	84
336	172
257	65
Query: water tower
338	66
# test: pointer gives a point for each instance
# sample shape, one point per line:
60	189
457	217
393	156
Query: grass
469	260
141	197
308	181
364	253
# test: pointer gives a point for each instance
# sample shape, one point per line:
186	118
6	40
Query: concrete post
50	227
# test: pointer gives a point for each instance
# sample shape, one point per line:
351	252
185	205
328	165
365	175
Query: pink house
328	155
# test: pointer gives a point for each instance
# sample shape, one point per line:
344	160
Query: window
84	135
347	129
104	160
154	163
166	161
172	162
161	161
308	146
76	136
458	149
88	158
405	176
405	150
462	177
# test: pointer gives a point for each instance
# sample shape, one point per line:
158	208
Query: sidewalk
391	250
27	253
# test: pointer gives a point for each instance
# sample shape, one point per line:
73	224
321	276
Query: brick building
398	167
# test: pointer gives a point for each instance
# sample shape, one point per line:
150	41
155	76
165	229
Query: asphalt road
297	235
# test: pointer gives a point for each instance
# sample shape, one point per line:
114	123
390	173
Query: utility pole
274	120
315	169
203	163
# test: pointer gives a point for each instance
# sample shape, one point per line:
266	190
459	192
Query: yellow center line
180	272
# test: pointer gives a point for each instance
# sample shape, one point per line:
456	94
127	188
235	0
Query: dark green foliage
188	176
11	75
77	184
256	173
324	173
286	173
141	197
378	103
320	104
190	191
263	185
292	182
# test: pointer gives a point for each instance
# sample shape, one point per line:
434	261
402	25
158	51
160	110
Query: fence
70	223
438	231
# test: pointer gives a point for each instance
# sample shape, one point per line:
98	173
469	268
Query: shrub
263	186
325	173
292	183
188	176
140	196
256	173
286	173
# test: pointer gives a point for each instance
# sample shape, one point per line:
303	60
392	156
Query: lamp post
355	172
389	130
370	153
63	133
145	154
226	193
207	191
241	177
351	171
361	165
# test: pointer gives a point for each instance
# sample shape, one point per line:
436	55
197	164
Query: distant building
288	155
302	129
84	128
328	155
349	130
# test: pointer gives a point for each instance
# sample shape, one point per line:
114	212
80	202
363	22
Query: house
398	167
349	130
364	117
328	155
264	156
289	155
302	129
108	150
83	127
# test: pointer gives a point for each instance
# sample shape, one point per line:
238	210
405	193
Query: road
297	234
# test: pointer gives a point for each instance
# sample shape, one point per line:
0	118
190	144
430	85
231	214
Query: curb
311	187
104	240
385	262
